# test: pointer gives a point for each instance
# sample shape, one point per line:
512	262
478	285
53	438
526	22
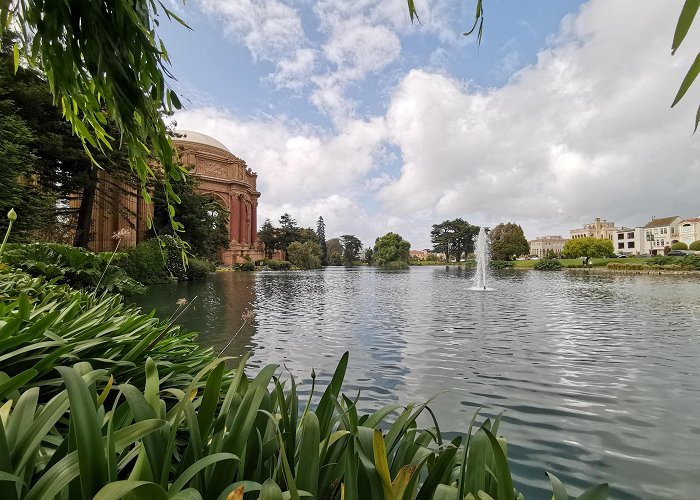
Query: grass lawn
577	262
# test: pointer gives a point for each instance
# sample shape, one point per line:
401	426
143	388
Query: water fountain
482	261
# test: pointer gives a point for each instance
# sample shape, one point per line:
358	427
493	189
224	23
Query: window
656	231
620	246
630	244
630	235
620	236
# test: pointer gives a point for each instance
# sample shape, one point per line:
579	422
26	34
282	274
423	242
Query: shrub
679	245
278	265
198	269
548	265
305	255
694	246
247	266
74	266
395	265
147	262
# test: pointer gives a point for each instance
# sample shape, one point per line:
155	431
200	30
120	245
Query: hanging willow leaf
685	20
688	80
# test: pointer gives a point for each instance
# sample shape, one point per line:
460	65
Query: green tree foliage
588	248
694	246
453	237
287	233
60	164
335	252
391	248
204	218
351	249
268	235
18	188
321	233
305	255
679	245
369	256
104	62
508	241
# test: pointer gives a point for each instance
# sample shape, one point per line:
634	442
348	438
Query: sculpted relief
212	169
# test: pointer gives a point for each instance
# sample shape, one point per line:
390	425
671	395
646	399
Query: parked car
677	253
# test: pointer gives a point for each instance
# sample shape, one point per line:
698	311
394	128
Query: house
547	245
419	254
629	241
660	233
599	228
689	230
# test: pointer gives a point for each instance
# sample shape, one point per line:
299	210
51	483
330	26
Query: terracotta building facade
221	175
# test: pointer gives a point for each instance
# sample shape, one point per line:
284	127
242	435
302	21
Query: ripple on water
599	376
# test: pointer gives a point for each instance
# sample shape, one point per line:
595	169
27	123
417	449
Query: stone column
233	217
254	223
241	220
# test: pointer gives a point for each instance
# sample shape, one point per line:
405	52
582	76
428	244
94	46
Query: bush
694	246
198	269
502	264
395	265
247	266
278	265
147	262
687	262
679	245
74	266
305	255
548	265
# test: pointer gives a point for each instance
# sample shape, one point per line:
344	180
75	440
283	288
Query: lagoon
598	375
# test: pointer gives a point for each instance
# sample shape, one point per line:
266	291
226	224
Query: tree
508	241
588	248
305	255
268	235
335	252
287	233
104	62
369	256
441	238
462	237
351	249
321	233
204	218
391	248
60	164
17	189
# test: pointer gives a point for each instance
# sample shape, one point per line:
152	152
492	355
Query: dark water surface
599	375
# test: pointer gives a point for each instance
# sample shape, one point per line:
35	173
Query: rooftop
661	221
196	137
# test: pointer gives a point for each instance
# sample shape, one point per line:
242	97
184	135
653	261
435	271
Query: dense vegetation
679	245
694	246
454	238
508	242
98	400
588	248
391	250
548	265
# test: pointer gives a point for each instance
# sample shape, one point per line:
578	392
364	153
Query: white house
629	241
660	233
689	230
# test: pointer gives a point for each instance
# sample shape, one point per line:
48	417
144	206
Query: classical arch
228	179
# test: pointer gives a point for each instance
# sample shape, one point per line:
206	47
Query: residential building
689	230
419	254
660	233
629	241
546	245
599	228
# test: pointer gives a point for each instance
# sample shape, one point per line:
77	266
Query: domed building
221	175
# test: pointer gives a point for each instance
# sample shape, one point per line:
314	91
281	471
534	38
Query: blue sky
347	110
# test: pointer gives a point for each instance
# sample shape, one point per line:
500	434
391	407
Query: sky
349	111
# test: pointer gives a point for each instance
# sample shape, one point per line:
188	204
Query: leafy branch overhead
104	62
685	21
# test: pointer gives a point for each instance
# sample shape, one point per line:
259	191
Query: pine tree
321	233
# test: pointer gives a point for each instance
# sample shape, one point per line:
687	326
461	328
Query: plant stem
7	235
107	267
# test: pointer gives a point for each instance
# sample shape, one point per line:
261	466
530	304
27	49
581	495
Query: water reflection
598	374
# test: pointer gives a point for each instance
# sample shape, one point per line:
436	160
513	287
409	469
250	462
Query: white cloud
586	131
